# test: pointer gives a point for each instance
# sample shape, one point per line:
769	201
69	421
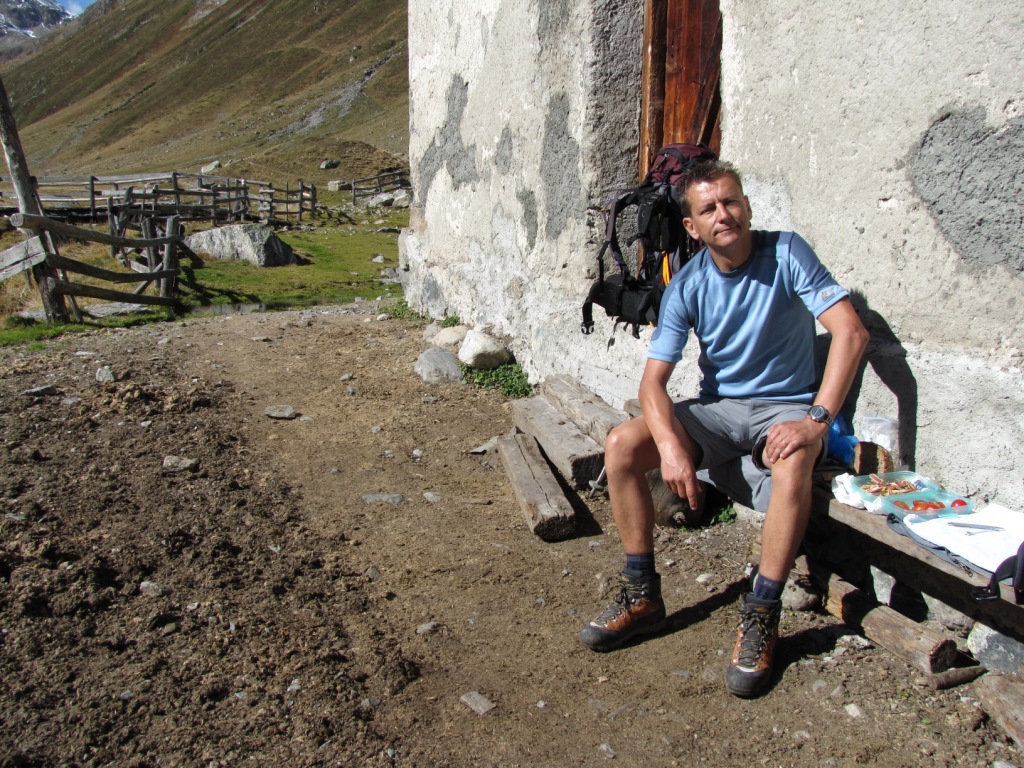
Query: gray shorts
732	434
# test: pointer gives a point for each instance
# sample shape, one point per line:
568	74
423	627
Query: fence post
170	257
92	197
45	275
177	190
148	234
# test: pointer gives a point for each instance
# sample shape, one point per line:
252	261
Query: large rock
995	650
438	366
255	243
450	337
483	352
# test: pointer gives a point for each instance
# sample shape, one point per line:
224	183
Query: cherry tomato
958	503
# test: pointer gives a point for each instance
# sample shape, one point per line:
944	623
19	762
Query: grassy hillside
268	87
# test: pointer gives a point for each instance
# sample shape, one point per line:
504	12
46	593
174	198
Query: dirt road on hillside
185	581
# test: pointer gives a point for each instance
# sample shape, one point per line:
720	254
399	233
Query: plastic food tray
946	498
924	483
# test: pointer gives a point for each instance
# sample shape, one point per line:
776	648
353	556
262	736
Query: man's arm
849	338
678	452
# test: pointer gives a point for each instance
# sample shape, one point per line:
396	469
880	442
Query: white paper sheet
986	549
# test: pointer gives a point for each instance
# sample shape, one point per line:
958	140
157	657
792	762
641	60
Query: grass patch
451	321
509	379
402	311
337	266
16	330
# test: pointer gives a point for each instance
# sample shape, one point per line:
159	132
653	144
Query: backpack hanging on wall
662	244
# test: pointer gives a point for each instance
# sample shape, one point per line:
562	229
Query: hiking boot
758	631
638	610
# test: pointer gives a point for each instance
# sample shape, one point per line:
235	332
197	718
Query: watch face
820	414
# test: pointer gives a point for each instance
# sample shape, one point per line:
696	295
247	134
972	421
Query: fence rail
374	185
191	196
153	259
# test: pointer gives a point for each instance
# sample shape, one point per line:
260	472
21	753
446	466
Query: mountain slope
272	86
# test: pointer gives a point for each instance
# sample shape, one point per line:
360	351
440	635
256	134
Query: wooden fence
152	260
374	185
190	196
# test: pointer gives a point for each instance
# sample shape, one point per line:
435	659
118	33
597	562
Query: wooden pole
926	649
46	276
170	258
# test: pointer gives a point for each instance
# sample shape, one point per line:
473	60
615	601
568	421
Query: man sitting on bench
760	424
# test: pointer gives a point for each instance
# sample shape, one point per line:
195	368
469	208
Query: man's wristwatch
820	414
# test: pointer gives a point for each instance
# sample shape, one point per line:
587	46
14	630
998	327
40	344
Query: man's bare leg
789	509
630	452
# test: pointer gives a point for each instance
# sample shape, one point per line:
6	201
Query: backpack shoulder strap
1011	568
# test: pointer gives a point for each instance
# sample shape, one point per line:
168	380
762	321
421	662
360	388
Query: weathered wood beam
53	303
28	221
1002	697
21	256
583	407
924	648
575	455
547	510
72	265
67	288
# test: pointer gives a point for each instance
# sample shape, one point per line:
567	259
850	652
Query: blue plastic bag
841	441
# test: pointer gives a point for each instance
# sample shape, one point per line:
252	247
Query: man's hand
786	437
679	474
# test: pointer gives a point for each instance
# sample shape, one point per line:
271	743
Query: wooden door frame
703	124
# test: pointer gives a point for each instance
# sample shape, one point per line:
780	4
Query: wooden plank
875	528
66	288
1002	697
584	408
80	233
652	93
575	455
72	265
545	506
705	108
22	256
924	648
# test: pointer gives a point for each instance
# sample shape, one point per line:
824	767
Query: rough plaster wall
891	136
524	118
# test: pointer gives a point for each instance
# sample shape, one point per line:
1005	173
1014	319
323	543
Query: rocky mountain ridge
30	18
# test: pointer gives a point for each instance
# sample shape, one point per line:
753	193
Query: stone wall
889	135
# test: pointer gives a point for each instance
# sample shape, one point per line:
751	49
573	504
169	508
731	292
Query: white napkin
842	489
986	549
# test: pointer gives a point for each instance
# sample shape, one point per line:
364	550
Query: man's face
719	212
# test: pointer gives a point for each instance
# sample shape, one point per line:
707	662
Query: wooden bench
911	564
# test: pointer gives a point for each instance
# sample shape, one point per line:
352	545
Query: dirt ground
185	581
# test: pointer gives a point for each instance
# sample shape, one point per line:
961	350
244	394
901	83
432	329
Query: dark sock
767	589
640	565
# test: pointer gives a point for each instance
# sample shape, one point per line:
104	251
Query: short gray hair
705	170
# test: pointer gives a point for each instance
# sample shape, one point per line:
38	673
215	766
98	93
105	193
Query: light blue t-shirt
755	325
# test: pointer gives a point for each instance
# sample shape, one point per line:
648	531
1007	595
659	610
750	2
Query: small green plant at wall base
402	311
726	515
509	379
451	321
